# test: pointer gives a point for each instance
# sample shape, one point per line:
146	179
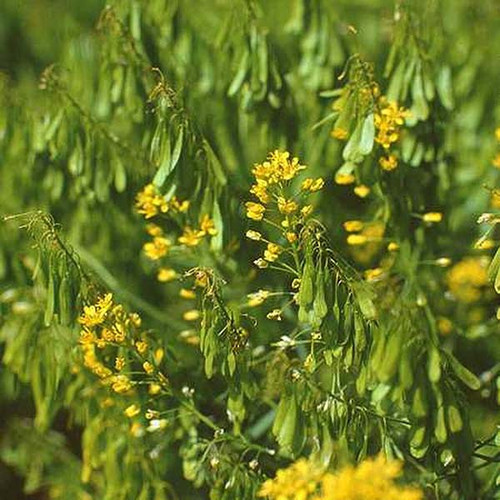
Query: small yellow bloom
157	248
272	252
253	235
317	185
154	230
179	206
191	315
261	263
392	246
356	239
207	226
275	314
344	179
388	163
497	133
190	237
260	191
187	294
255	211
306	184
119	363
257	298
165	274
287	206
121	384
132	410
291	237
433	217
154	389
148	367
362	191
339	133
306	210
352	226
141	346
373	274
158	355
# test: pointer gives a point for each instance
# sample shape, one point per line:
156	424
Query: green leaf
466	376
367	135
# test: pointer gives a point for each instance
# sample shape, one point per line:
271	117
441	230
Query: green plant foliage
239	234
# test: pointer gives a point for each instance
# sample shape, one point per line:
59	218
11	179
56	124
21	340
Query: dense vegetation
249	249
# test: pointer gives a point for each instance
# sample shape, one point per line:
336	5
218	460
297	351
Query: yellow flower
272	252
287	206
344	179
261	263
187	294
388	163
306	184
92	316
433	217
312	185
191	315
154	230
356	239
148	367
306	210
150	203
362	191
87	337
157	248
388	122
190	237
278	167
352	226
179	206
141	346
158	355
154	389
253	235
207	226
339	133
392	246
291	237
119	363
260	191
373	274
497	133
275	314
121	384
317	185
255	211
467	277
165	274
257	298
132	411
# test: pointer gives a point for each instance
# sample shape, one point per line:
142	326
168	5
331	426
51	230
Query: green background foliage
98	100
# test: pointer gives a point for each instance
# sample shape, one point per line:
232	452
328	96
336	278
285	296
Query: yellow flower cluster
149	202
272	186
106	323
298	482
388	121
467	277
160	246
372	479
